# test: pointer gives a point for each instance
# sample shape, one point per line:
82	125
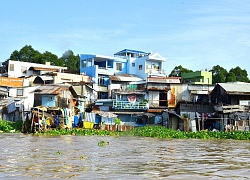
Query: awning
40	108
137	114
130	92
46	78
44	69
173	112
240	116
106	114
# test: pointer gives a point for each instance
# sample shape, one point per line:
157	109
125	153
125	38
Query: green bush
117	121
7	126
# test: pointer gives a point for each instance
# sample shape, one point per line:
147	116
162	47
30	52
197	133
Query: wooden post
199	124
202	121
32	122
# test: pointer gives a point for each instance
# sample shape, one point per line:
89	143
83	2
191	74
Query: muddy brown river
80	157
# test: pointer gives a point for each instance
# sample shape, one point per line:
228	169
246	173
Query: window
11	67
119	66
83	64
133	64
101	80
140	67
19	92
102	95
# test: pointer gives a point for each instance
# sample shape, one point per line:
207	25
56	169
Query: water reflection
78	157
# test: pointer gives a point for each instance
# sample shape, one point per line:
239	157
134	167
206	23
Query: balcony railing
129	105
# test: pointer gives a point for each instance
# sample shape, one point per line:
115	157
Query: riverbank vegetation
156	132
9	126
145	131
162	132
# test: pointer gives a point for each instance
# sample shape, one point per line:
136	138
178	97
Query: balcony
129	105
105	70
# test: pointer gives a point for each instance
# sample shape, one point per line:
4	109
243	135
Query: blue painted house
143	64
100	67
52	96
122	79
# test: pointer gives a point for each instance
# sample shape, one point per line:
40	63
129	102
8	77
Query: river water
79	157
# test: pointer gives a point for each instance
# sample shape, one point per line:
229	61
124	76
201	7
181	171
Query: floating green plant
152	131
82	157
103	143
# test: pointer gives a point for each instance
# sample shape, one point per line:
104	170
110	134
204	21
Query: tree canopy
29	54
72	62
178	70
219	74
240	75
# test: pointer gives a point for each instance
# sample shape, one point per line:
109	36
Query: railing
129	105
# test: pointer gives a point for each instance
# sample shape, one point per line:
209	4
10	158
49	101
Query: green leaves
150	131
162	132
29	54
7	126
103	143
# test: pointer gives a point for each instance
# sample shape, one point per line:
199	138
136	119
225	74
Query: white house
24	69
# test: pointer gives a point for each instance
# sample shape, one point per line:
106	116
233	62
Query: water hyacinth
145	131
156	132
9	126
162	132
81	132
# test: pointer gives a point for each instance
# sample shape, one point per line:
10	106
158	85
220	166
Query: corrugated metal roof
133	113
236	88
45	69
125	77
163	79
130	51
131	92
155	110
50	89
200	87
158	87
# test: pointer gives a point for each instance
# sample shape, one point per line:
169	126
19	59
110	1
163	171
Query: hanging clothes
91	117
65	116
56	120
75	124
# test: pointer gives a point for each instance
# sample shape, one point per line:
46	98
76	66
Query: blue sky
196	34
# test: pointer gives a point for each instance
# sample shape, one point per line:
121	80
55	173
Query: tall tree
15	56
26	54
71	61
49	57
178	70
230	77
240	75
218	74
